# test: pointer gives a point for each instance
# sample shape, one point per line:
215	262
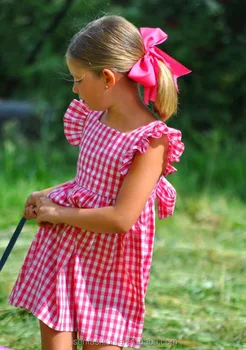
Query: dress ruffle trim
71	194
165	192
74	121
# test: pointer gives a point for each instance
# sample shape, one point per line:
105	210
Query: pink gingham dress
91	282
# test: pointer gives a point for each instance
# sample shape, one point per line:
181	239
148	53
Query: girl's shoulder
141	140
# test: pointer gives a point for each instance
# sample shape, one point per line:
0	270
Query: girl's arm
141	179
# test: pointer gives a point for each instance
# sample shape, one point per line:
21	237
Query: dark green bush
208	36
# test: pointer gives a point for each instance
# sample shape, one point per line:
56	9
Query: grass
196	293
201	294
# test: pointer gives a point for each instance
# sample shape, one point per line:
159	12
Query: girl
87	269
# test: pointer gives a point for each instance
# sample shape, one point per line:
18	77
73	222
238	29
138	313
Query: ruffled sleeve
164	191
74	121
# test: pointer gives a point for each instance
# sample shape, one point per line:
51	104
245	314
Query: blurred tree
208	36
34	37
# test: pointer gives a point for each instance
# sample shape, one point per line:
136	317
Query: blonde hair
113	42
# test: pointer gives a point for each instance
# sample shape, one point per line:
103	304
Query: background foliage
208	36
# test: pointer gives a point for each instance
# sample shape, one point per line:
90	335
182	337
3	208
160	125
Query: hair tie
146	70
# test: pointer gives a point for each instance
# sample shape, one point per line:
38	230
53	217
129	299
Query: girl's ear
110	77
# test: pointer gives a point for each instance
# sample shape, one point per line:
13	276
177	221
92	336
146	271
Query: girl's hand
47	212
30	212
33	197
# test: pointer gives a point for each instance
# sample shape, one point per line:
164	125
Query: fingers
30	200
40	201
30	212
33	198
40	210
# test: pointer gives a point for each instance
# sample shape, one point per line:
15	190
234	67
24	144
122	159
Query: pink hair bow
146	70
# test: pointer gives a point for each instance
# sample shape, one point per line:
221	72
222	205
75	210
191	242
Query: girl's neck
127	118
128	112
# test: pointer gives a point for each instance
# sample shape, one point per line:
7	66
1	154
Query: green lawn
196	293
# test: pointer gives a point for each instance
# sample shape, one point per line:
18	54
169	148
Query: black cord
12	242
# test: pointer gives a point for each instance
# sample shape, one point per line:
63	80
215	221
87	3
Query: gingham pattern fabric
91	282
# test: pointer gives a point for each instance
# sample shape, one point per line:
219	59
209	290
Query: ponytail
166	103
